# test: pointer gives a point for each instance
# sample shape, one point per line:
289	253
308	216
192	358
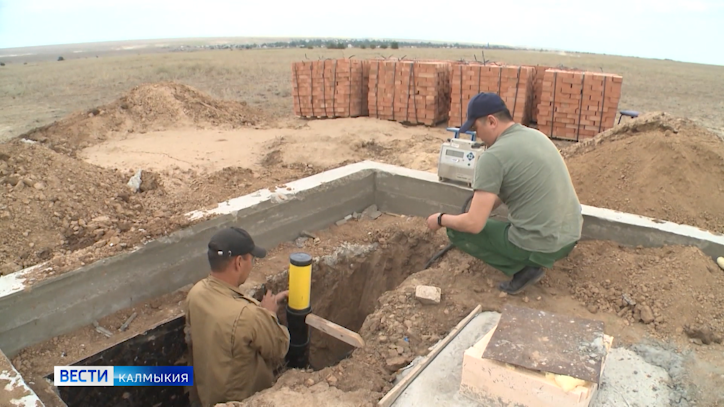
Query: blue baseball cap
481	105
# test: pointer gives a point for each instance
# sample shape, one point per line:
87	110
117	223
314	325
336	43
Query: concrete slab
438	383
627	378
32	313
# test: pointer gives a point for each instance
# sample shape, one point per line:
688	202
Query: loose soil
59	209
656	166
672	289
147	107
355	284
316	144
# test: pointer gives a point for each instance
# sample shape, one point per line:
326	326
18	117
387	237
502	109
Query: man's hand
271	301
432	222
473	221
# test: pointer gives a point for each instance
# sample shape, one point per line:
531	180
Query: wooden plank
334	330
396	391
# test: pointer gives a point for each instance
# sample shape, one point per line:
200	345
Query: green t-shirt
524	168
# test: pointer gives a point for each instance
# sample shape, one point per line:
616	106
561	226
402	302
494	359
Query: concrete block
490	381
427	294
15	391
372	212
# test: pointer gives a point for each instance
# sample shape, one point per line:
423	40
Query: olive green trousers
492	246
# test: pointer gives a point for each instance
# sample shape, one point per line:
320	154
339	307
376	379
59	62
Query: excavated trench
163	345
345	287
347	283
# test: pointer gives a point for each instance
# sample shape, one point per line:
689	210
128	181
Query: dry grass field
40	92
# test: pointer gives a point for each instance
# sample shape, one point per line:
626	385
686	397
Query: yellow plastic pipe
300	281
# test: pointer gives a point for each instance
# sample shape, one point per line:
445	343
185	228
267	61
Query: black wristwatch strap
439	219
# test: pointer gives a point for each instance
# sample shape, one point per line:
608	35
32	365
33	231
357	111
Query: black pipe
299	339
466	207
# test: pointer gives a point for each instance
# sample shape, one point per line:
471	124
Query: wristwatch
439	219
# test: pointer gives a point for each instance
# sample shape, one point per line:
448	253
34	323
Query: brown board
548	342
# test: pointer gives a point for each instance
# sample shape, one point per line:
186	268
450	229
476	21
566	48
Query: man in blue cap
522	168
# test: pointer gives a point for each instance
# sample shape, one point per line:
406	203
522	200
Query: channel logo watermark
123	376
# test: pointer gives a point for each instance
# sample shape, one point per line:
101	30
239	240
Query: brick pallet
577	105
330	88
409	91
514	84
538	74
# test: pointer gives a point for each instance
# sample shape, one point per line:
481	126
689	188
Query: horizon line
482	45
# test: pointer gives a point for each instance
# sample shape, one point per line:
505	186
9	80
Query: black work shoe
522	279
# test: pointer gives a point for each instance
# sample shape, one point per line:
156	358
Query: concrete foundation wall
72	300
75	299
634	230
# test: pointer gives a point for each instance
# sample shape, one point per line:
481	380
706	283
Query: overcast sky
686	30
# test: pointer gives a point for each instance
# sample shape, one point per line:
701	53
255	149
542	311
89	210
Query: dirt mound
671	289
59	208
656	166
148	107
52	204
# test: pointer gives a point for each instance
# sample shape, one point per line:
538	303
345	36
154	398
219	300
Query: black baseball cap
481	105
234	241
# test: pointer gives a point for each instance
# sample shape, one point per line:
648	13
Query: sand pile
656	166
148	107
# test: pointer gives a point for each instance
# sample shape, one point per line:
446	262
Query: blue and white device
458	157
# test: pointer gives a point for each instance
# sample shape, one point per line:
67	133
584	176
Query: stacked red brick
538	74
409	91
577	105
330	88
514	84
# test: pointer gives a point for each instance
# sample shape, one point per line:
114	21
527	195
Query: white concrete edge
292	188
651	223
18	280
14	282
16	381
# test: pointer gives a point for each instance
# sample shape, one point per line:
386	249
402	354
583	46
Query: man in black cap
522	168
235	342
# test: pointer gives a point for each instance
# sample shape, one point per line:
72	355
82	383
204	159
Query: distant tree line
372	44
343	44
